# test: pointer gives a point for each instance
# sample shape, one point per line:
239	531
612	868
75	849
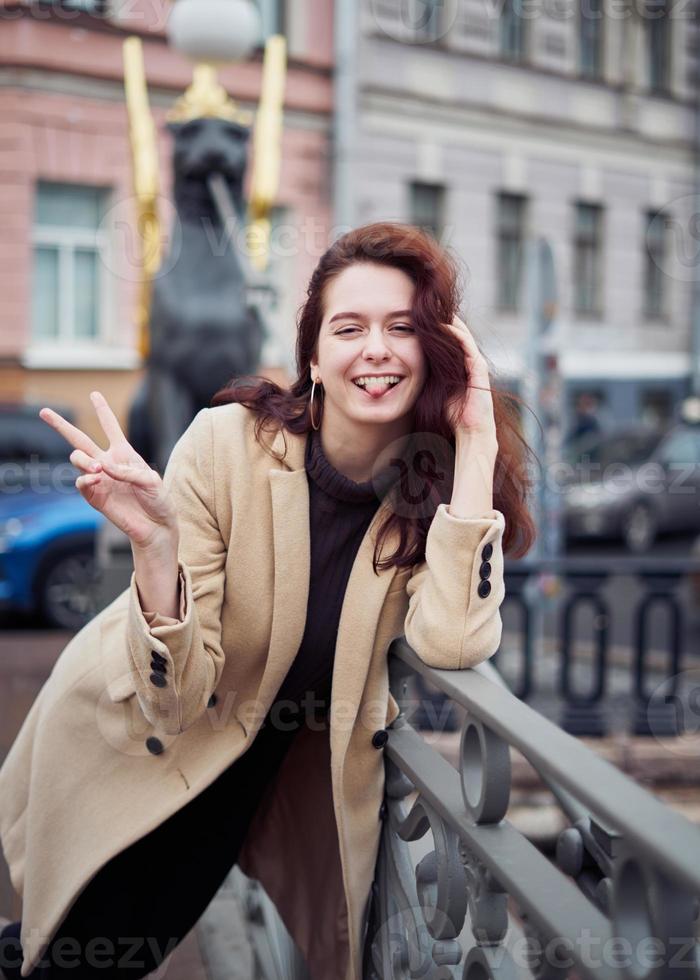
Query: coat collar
362	604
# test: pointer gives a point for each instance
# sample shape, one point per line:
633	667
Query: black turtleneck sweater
340	512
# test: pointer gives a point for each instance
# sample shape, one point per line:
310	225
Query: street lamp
212	33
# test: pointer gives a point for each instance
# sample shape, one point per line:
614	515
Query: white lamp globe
215	31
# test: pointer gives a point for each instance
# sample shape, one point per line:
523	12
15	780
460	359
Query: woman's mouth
377	388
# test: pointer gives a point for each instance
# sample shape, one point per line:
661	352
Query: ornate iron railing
620	902
584	582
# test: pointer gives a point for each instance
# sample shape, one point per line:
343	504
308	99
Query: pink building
69	286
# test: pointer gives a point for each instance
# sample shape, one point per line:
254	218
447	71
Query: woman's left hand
472	412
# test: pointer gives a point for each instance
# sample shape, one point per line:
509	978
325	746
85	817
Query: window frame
594	72
659	84
441	210
581	239
67	240
432	31
653	270
518	55
502	239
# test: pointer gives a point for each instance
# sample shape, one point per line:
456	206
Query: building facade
70	255
495	121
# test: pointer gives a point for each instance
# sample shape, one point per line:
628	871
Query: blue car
47	530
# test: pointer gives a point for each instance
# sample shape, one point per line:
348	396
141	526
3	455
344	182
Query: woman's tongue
377	390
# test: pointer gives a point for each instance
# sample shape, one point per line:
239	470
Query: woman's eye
396	326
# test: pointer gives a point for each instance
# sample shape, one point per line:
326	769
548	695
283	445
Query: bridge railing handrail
610	795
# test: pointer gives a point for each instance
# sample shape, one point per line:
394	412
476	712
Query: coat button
158	680
158	657
212	701
154	745
484	570
383	811
380	738
159	667
484	588
487	551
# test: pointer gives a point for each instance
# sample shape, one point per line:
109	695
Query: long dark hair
436	301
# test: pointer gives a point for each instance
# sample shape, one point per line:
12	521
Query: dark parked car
47	530
635	483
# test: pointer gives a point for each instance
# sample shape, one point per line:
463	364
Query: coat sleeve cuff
154	631
453	620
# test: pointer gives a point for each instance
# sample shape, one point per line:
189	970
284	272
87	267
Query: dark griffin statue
203	329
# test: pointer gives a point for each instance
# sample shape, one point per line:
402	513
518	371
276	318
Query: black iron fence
620	901
615	650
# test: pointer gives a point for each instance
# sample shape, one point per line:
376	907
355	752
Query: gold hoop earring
311	408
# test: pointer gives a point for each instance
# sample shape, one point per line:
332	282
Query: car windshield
27	439
632	448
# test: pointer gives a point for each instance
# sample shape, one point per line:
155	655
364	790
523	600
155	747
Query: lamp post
543	390
212	33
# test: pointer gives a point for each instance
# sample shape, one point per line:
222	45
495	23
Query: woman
231	705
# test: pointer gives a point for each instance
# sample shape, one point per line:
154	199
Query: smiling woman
237	693
390	375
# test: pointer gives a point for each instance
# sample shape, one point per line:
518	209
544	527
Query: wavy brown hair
436	302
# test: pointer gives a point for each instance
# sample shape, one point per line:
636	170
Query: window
426	19
656	243
512	30
681	448
587	259
511	234
659	44
427	207
591	37
273	14
69	278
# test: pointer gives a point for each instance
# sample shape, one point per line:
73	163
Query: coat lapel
362	604
360	613
289	491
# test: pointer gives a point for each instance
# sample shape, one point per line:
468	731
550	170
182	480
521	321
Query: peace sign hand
117	481
472	412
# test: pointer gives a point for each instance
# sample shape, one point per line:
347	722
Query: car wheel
67	589
639	528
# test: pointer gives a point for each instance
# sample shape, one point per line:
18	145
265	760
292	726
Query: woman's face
367	334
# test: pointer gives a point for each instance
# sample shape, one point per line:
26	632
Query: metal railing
658	582
619	902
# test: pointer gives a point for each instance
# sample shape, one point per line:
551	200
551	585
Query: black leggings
144	901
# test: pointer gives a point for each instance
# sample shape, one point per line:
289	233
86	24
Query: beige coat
79	784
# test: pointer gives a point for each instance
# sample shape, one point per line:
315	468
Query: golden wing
267	148
144	151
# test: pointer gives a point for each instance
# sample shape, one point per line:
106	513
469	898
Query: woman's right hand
117	481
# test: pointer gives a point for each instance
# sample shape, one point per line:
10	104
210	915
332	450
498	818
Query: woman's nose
376	346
